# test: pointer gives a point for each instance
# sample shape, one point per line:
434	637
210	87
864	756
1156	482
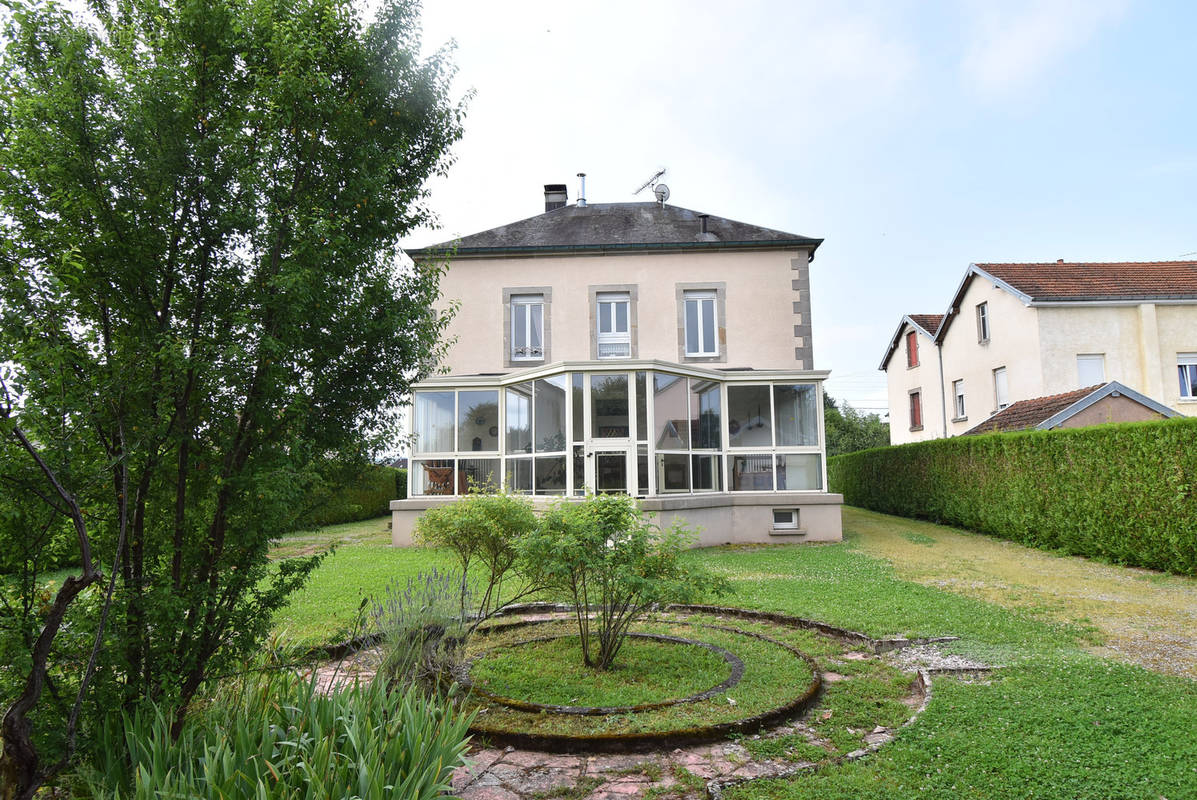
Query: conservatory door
609	469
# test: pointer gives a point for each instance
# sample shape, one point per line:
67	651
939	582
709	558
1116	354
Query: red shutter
916	409
912	349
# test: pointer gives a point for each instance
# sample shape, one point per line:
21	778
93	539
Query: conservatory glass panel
478	421
609	406
748	416
550	475
433	477
796	415
751	472
797	471
519	475
707	473
704	414
673	473
549	419
671	415
482	473
519	418
433	422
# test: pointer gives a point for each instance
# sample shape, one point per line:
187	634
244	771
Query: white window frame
528	302
1001	388
1186	363
983	322
606	311
790	524
958	399
695	298
1090	358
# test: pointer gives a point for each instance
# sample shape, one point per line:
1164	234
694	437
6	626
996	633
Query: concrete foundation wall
720	518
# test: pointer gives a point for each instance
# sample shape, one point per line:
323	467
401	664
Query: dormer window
613	315
527	327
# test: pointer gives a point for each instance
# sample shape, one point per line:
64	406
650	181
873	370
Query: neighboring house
629	347
1015	332
1092	405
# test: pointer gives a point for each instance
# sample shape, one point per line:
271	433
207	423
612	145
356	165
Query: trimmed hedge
366	496
1122	493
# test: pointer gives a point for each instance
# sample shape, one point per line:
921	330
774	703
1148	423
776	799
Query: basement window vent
785	519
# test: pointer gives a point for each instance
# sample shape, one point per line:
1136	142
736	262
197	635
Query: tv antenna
660	190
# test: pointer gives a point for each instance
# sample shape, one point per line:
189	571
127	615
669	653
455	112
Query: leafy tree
848	430
606	557
201	302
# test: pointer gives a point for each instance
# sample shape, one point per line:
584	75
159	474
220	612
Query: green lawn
1057	722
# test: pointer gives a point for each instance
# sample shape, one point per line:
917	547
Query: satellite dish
662	192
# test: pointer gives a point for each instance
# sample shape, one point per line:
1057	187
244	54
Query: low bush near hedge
1122	493
351	498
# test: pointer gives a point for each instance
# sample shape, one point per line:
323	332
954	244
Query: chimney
555	196
582	191
1059	261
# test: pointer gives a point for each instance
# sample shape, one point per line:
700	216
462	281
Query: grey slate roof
616	227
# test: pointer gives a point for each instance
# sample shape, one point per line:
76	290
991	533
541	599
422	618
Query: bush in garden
483	531
1122	493
282	738
422	626
606	557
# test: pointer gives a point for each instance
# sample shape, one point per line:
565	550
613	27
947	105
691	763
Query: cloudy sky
915	137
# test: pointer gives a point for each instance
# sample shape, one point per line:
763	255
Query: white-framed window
1186	368
958	398
700	323
785	519
983	322
613	315
1001	389
1090	369
527	327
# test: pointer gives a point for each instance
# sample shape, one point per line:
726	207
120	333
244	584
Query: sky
914	137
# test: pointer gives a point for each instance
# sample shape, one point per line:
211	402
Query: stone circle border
658	740
732	660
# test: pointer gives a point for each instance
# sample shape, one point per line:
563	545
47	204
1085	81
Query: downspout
943	402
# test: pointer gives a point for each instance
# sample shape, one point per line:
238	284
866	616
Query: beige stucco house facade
1014	332
629	347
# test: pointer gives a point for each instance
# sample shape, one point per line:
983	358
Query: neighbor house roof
1081	281
927	323
602	227
1062	282
1045	413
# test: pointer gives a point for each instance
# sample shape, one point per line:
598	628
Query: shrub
603	553
422	625
484	532
354	495
1121	493
282	738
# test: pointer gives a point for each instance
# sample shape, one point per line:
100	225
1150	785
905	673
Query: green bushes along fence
1121	493
349	499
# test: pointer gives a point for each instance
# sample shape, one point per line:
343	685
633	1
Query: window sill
959	419
914	428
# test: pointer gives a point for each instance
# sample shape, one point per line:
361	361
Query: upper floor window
614	324
1090	369
527	327
912	349
916	410
1001	389
700	323
1186	366
958	398
983	322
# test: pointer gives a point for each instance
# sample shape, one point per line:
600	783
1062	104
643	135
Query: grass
552	672
772	676
1060	722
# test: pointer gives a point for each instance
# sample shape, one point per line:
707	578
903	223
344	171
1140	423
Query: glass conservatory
649	429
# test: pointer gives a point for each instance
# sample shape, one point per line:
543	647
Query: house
1014	332
629	347
1092	405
